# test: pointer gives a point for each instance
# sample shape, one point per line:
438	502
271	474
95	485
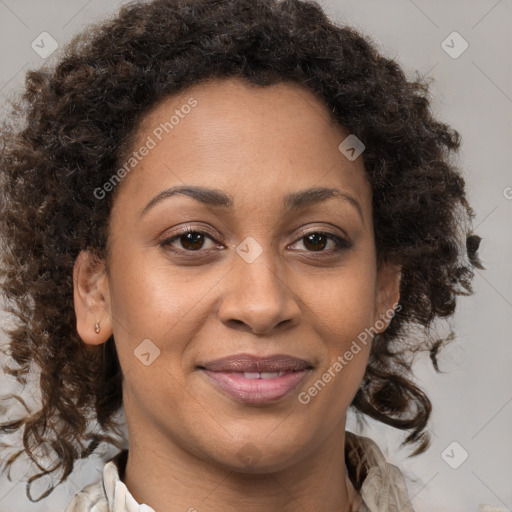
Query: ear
91	299
387	294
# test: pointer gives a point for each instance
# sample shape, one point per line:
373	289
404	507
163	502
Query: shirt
380	484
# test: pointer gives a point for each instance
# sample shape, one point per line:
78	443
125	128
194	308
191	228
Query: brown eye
192	241
315	241
189	241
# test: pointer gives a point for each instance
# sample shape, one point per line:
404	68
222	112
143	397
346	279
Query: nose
257	298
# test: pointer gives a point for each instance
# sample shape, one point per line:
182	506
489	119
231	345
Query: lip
255	379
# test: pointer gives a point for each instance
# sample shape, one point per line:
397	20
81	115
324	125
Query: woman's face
228	337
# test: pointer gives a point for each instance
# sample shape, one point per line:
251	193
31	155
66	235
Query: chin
254	457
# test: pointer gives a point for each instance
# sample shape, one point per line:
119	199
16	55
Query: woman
229	218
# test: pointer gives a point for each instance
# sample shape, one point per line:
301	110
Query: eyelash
341	243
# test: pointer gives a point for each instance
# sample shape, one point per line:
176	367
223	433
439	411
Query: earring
97	327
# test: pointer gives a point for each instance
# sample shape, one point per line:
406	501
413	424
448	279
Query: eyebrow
216	198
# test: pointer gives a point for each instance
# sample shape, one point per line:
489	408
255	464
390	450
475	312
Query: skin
257	145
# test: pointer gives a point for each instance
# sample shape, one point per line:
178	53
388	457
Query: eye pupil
314	239
192	241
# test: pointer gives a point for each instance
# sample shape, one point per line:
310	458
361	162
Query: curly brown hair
75	120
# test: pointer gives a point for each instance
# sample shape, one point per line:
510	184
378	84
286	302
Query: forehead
250	140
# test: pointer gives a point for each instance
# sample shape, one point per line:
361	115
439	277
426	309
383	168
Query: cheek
343	317
342	309
148	303
343	303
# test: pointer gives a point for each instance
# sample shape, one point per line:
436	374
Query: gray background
473	397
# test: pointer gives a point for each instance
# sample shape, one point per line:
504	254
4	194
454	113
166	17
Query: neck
169	478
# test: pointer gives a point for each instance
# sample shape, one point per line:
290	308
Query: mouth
254	379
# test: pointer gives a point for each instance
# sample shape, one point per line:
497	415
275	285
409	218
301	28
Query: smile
255	380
